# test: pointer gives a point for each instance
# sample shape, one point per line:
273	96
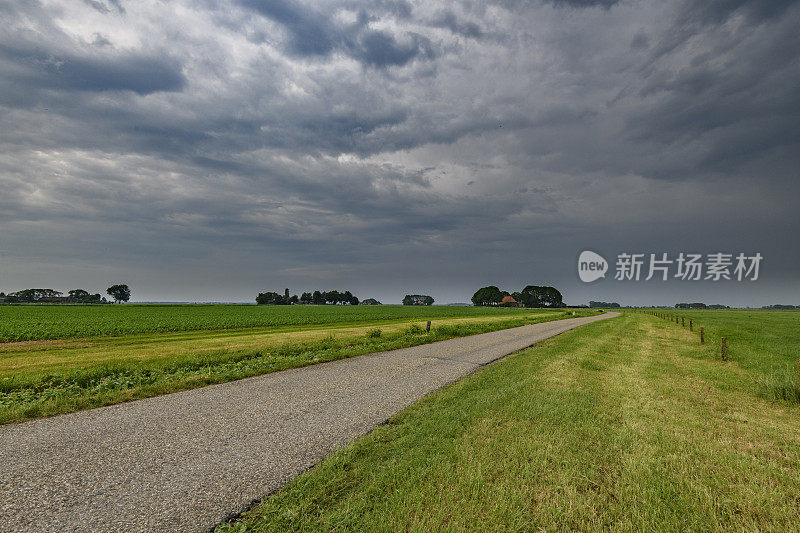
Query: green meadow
627	424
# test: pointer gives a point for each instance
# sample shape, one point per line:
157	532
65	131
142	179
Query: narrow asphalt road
186	461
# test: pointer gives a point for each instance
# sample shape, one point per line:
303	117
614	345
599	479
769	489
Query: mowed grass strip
46	378
625	424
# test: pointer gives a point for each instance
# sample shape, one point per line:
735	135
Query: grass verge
626	425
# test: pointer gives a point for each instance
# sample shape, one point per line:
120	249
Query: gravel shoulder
186	461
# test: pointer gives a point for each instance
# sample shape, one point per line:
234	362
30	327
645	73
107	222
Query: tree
120	293
33	295
552	297
417	299
541	296
306	298
592	303
490	295
78	294
83	297
332	297
353	300
269	298
318	298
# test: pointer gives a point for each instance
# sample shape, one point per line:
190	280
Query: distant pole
702	335
724	349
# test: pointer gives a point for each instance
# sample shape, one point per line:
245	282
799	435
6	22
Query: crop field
49	376
36	322
628	424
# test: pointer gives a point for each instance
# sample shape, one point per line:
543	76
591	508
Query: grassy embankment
626	424
46	377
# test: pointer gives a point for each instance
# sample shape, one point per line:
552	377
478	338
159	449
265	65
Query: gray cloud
312	33
448	19
107	6
394	147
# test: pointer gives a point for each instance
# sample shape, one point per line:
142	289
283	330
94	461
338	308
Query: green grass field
46	377
766	343
35	322
628	424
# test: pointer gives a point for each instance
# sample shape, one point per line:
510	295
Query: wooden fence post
724	350
691	326
428	327
683	322
702	335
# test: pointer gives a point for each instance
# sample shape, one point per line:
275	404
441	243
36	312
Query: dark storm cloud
312	33
448	19
391	146
584	3
140	74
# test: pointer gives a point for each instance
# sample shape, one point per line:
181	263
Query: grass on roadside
27	395
625	424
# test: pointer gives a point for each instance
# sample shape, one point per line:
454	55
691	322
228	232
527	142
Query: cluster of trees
417	299
781	306
603	304
120	293
316	298
530	296
700	305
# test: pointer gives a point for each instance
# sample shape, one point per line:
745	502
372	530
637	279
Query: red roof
508	300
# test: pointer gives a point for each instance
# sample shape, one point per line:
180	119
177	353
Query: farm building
509	301
371	301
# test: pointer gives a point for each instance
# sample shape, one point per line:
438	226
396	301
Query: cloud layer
210	150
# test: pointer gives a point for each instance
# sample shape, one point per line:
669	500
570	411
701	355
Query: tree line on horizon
530	296
603	304
700	305
417	299
333	297
120	293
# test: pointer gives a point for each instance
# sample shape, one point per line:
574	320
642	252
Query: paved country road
187	461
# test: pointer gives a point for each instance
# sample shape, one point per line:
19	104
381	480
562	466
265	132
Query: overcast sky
206	151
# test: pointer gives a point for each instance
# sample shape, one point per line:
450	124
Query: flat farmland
136	351
37	322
